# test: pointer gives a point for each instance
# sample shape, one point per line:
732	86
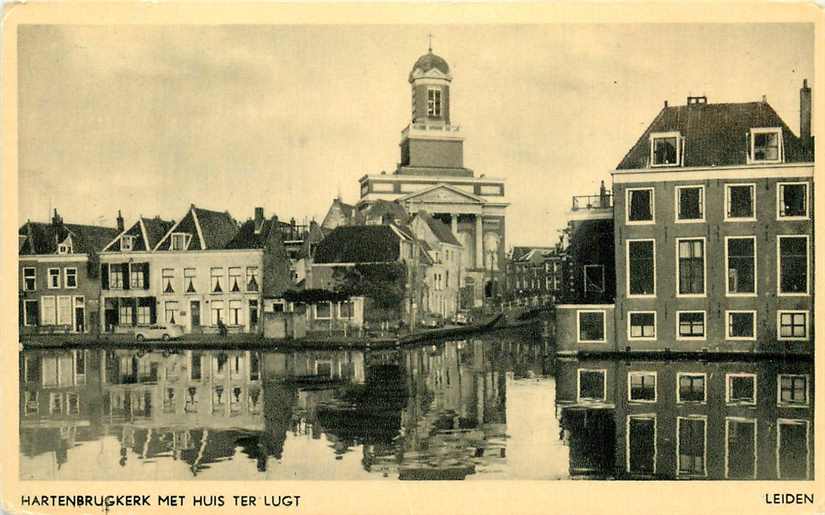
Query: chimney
56	219
764	99
697	100
119	221
805	113
259	219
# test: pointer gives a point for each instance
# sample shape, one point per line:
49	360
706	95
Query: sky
150	119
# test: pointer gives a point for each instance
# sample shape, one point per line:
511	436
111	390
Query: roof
439	228
530	253
381	208
429	61
156	228
247	238
43	238
215	227
715	134
360	244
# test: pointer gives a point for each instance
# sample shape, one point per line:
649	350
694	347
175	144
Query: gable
442	193
186	226
134	230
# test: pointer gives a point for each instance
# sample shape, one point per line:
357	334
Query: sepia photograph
414	252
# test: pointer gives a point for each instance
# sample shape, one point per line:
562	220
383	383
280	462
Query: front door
195	309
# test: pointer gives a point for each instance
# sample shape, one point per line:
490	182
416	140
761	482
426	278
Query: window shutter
134	303
104	276
145	276
153	312
125	271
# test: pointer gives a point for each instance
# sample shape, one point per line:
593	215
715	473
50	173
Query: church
431	176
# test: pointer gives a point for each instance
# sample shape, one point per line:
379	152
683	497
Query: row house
533	276
640	419
366	249
713	242
58	279
442	280
200	272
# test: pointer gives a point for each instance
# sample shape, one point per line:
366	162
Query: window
125	314
30	313
740	388
664	149
189	276
54	278
740	448
690	387
252	281
690	203
741	325
235	279
739	199
345	309
168	278
793	265
64	310
766	145
592	385
640	205
690	445
641	325
70	277
116	276
641	444
594	278
641	386
434	102
170	308
136	275
691	273
591	326
216	307
641	268
793	390
792	325
49	308
690	325
235	312
144	314
127	243
216	275
29	279
55	404
792	200
64	248
741	265
323	310
180	241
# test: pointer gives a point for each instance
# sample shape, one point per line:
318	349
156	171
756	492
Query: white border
793	422
725	207
627	220
780	142
578	325
729	312
779	292
781	404
702	203
755	268
666	135
641	416
627	243
692	338
805	338
679	376
655	386
704	268
742	420
704	419
603	372
807	215
642	338
66	278
732	375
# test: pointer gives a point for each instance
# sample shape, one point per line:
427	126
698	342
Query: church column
454	224
479	243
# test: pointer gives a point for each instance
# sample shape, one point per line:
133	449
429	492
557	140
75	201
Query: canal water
498	406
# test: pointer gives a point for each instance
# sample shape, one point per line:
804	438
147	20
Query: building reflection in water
492	407
687	419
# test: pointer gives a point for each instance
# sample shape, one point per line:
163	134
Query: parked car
159	332
431	320
463	318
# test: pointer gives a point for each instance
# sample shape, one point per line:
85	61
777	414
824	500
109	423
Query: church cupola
430	79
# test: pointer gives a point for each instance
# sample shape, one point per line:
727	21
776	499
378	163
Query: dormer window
434	102
127	243
665	149
766	145
180	241
64	248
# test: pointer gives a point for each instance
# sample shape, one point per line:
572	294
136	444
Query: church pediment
443	194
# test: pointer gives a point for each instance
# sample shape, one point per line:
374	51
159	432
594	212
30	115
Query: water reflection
493	407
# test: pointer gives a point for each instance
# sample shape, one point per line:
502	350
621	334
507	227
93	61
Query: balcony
432	129
593	202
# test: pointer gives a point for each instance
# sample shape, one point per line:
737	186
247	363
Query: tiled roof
218	228
715	134
381	208
43	238
156	228
359	244
441	230
429	61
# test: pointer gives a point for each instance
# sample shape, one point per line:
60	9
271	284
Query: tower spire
430	46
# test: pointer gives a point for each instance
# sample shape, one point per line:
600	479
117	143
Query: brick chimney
259	219
119	221
805	113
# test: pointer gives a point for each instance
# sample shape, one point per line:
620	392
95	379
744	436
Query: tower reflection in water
493	407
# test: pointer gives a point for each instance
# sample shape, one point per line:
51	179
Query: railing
418	126
593	201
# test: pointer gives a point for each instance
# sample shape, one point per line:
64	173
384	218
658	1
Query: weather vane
430	36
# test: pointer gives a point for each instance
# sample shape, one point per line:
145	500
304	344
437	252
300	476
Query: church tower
431	144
